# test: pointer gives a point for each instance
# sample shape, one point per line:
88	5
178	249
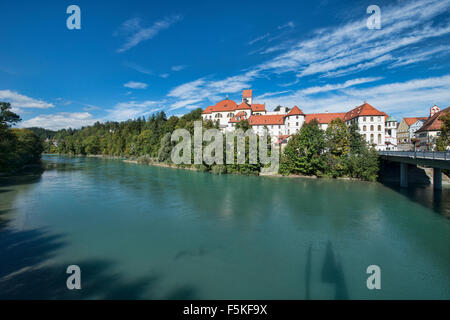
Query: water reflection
148	232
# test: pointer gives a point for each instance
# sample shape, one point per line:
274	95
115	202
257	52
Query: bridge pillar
403	175
437	178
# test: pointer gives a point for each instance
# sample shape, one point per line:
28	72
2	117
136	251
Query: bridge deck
435	159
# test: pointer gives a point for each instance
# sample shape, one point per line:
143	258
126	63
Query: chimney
433	110
247	96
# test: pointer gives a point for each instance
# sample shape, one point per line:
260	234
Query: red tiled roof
258	107
324	117
295	111
222	106
230	105
433	123
242	106
363	110
247	93
208	110
410	121
283	137
238	117
266	119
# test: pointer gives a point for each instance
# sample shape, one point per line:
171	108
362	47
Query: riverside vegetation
20	149
340	151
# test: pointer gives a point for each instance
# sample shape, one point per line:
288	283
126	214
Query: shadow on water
18	180
420	189
425	196
333	273
308	274
24	274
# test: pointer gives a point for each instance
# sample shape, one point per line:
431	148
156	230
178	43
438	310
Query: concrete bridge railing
432	155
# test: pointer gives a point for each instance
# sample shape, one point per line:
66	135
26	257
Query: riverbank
277	175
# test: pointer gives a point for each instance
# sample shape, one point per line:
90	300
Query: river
142	232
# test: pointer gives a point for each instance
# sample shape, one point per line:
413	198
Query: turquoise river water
142	232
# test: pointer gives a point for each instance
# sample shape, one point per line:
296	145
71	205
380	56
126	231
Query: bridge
435	160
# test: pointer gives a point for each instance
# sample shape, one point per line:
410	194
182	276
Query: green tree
303	153
443	141
337	139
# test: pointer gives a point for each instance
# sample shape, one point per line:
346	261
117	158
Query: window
364	119
296	117
371	119
371	138
230	115
364	128
371	128
379	127
379	138
296	124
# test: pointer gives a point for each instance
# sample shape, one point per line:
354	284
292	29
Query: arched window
371	138
379	127
364	128
379	138
371	128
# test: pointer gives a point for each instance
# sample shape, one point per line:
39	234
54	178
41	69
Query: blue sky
133	58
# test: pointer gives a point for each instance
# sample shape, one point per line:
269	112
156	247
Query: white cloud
212	90
332	87
138	68
421	56
19	101
289	24
352	44
337	51
135	85
178	68
60	120
258	39
136	33
415	96
132	109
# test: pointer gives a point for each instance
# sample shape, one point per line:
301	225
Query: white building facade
377	128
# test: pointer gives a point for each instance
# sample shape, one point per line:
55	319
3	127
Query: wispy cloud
289	24
19	101
257	39
132	109
138	68
178	68
212	90
60	120
338	51
413	96
421	56
135	85
332	49
136	33
333	87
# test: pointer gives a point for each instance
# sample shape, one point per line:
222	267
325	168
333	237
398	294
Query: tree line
20	149
340	151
